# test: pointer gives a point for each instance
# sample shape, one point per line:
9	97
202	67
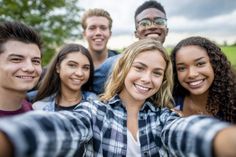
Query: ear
83	34
136	34
167	31
57	68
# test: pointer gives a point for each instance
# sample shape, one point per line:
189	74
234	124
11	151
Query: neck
133	107
11	100
99	56
195	105
200	100
69	98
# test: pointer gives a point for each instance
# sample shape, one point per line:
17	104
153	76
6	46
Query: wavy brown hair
115	83
221	101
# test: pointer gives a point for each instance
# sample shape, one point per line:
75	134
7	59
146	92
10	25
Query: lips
196	84
156	33
141	89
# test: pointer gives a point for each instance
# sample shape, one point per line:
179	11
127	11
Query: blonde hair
96	12
115	83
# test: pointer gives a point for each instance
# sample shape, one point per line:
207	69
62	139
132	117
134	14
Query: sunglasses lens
160	21
144	23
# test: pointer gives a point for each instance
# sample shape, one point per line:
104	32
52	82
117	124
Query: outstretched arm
225	143
6	148
194	135
46	134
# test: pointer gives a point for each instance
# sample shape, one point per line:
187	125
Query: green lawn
230	52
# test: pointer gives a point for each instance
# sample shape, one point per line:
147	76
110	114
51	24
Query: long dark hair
51	81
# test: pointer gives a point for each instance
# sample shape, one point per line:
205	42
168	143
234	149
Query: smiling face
74	71
144	78
194	70
97	33
20	66
158	32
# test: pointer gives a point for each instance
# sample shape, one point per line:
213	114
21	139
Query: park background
59	21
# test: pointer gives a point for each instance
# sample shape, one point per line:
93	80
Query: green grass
230	52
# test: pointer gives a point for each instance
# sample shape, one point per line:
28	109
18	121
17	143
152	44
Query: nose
146	77
79	72
28	66
98	31
192	72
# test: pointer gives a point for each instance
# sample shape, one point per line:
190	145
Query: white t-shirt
133	145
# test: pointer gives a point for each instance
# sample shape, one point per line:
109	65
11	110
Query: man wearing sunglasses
150	21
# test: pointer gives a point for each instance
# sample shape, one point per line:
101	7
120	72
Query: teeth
153	35
26	77
142	88
98	40
195	83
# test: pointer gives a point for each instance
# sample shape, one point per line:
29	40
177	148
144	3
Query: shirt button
145	153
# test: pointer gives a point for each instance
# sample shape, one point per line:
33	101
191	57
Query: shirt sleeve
191	136
40	133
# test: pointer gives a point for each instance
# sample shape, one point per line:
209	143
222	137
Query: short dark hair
147	5
19	32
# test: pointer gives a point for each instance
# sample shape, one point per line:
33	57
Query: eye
200	64
181	68
144	23
72	65
91	28
36	61
103	28
160	21
157	73
86	68
138	68
16	59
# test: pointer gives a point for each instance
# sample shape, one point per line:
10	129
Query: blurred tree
56	21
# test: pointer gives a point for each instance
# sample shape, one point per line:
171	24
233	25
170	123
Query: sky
214	19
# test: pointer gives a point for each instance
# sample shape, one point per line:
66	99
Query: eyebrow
21	56
15	55
195	60
77	62
147	66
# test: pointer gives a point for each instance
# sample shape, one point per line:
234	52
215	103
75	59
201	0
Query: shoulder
89	95
46	104
112	53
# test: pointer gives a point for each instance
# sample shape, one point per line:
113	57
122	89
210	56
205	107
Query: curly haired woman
205	82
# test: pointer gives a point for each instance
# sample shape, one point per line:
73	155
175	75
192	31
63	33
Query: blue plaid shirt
102	129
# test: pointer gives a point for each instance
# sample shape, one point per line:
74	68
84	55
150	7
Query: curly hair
221	101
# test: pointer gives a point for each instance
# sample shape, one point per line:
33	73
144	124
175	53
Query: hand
6	148
225	143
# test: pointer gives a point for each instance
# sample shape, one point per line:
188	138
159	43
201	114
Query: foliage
56	21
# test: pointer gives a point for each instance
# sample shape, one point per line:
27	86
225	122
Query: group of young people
143	111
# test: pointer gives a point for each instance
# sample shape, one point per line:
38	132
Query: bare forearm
225	143
6	148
